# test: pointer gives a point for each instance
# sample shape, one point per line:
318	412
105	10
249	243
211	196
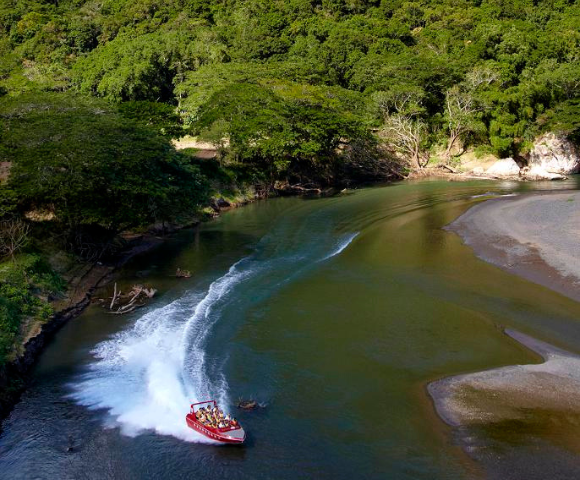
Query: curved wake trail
147	375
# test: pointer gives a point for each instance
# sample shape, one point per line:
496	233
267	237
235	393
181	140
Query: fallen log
115	295
447	167
134	307
136	299
182	273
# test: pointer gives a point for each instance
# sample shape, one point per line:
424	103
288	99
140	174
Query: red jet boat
228	434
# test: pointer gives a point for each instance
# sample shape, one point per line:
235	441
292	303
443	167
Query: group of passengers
214	417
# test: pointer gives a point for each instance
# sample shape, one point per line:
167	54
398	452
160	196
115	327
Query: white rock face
554	154
506	167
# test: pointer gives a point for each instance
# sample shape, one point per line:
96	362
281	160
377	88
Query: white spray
147	375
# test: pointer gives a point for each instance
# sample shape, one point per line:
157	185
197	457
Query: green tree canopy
87	164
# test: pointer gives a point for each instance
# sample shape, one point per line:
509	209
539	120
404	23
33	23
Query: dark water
333	313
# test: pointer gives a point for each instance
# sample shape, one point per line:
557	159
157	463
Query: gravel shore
535	236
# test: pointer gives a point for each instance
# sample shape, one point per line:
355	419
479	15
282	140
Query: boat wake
494	194
147	375
342	244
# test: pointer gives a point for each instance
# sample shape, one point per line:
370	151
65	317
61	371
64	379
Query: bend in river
334	314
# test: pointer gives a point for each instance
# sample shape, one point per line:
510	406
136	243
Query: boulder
554	154
536	172
222	203
506	167
219	204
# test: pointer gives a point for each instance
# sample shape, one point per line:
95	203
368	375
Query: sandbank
535	236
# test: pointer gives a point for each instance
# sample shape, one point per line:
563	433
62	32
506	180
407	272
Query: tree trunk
452	139
417	160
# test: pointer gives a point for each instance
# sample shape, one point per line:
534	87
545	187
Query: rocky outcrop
552	158
554	154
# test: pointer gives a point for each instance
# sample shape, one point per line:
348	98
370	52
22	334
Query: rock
554	154
478	171
247	404
506	167
536	172
218	204
222	203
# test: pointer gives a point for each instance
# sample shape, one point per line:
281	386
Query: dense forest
288	82
91	93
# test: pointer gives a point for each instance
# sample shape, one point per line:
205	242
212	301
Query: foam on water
494	194
147	375
136	375
344	242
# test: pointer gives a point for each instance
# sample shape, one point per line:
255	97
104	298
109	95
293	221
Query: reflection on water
334	312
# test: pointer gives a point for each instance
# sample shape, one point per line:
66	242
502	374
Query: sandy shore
535	236
521	421
511	392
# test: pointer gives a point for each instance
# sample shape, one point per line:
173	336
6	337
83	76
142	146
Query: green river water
334	314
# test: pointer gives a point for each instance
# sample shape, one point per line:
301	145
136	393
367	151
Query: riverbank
84	280
82	283
535	236
115	388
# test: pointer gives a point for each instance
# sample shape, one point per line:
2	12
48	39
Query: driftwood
297	189
182	273
115	296
447	167
135	299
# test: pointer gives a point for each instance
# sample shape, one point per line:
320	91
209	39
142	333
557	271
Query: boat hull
235	436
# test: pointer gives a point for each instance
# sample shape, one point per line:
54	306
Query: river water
332	313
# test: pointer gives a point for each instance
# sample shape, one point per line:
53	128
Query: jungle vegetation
289	83
322	91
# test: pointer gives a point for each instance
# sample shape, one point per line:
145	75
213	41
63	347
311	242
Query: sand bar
511	392
535	236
